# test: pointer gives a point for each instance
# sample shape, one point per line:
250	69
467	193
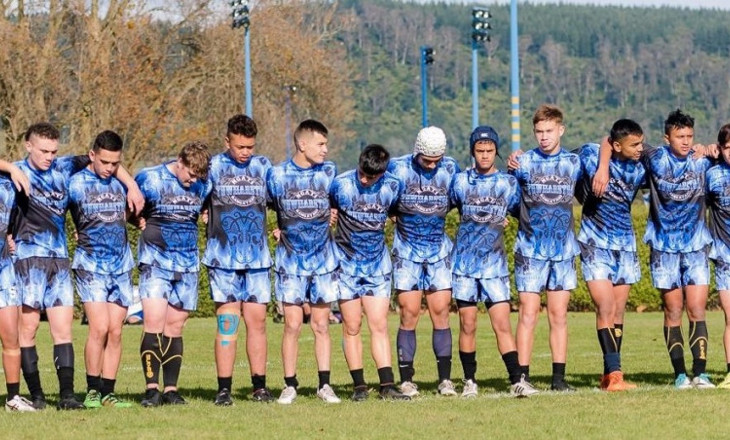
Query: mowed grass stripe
655	410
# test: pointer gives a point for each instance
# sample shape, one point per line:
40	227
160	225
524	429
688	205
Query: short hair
623	128
374	160
309	125
723	136
242	125
195	155
44	130
548	112
677	120
107	140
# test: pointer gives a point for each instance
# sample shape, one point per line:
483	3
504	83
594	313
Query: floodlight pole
515	77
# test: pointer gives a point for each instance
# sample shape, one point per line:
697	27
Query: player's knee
502	328
468	328
528	317
320	328
695	313
352	329
114	334
558	318
673	313
292	327
378	326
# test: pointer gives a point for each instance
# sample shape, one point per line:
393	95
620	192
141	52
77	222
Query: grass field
655	410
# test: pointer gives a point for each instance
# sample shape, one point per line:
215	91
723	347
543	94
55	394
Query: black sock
258	381
443	366
93	383
698	345
324	378
611	360
63	356
406	371
29	365
441	344
618	335
13	389
358	378
172	357
291	381
385	375
675	347
469	364
512	363
525	370
225	382
151	355
558	372
728	367
107	386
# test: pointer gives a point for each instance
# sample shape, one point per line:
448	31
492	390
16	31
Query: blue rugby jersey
98	209
362	213
237	214
300	198
606	222
718	199
7	201
421	209
546	206
677	203
170	239
39	220
483	201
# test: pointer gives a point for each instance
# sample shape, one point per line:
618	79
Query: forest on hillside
598	63
89	65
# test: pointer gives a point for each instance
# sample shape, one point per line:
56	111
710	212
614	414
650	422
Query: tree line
161	78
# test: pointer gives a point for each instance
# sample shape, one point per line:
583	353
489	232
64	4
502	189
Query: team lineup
331	247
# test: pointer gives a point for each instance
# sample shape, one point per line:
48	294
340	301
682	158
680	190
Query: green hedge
643	296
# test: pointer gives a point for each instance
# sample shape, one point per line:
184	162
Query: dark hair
678	120
242	125
195	155
107	140
723	136
309	125
374	160
623	128
44	130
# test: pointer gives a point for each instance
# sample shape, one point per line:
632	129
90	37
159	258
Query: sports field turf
655	410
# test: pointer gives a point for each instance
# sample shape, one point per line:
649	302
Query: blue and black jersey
7	201
170	238
718	199
677	202
39	220
483	201
606	222
362	213
98	209
546	212
301	199
237	214
422	208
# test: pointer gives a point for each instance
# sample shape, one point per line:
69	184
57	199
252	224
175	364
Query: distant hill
598	63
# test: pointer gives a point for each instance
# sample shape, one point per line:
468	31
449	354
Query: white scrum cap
431	141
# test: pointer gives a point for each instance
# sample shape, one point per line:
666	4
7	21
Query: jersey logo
306	204
682	188
106	207
243	191
425	199
551	189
